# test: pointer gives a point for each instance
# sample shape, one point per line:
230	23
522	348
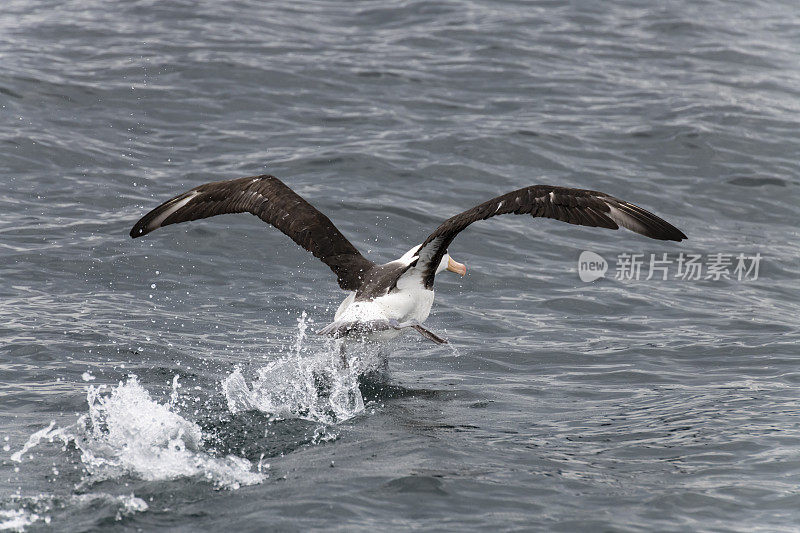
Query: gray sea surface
174	381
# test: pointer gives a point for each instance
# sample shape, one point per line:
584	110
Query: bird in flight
386	299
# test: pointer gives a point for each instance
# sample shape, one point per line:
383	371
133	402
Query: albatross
386	299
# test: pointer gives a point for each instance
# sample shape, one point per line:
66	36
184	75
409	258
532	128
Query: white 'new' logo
591	266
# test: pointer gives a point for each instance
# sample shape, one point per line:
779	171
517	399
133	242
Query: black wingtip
139	229
665	234
656	227
674	234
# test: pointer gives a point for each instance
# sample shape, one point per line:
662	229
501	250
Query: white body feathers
409	301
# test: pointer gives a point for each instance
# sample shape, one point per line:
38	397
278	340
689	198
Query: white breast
409	301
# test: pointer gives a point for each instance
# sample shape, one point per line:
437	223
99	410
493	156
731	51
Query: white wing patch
624	219
156	222
410	256
427	253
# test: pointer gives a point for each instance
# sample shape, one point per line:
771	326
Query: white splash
321	387
127	505
128	433
31	510
16	519
34	439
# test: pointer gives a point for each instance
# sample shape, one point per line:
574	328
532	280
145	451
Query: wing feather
575	206
275	203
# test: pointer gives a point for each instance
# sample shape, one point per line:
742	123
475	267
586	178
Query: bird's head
446	263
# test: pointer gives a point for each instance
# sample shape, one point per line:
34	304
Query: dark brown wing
273	202
576	206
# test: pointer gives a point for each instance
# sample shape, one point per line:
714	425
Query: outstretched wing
576	206
273	202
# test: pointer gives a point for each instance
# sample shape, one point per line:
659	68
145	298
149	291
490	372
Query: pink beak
455	266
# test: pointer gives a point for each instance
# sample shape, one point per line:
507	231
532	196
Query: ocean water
175	382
